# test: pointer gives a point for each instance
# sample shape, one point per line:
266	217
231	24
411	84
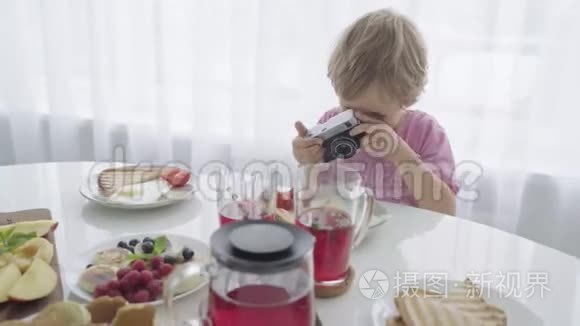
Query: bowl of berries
135	268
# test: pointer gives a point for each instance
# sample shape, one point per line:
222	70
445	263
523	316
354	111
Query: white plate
81	260
151	194
517	313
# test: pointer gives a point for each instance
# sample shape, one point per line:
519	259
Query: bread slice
460	306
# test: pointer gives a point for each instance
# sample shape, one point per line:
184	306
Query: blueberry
168	259
187	253
133	242
123	244
131	249
148	239
147	247
89	266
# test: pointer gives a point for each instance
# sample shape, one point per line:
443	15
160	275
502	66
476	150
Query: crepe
113	180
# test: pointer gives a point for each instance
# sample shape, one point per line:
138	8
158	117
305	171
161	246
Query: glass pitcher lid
260	247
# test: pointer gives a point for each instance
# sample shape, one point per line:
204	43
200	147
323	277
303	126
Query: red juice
285	200
226	220
333	231
260	305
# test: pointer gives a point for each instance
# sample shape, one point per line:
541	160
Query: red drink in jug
260	305
333	231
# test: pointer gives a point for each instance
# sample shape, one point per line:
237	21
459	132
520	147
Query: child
378	69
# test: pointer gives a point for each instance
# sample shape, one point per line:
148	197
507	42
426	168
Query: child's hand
307	150
380	139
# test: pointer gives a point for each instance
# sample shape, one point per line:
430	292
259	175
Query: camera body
337	142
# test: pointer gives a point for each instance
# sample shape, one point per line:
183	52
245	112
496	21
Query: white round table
414	243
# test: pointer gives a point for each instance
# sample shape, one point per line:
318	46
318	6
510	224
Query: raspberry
132	278
125	286
139	265
113	285
166	269
156	262
100	290
141	296
157	275
155	287
114	293
122	272
145	277
129	296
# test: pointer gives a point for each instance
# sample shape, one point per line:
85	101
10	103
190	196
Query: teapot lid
260	247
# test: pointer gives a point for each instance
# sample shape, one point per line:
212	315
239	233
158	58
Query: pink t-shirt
426	137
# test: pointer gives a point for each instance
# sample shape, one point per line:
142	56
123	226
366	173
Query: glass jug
333	205
261	273
246	202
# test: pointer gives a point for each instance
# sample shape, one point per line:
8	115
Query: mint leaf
6	234
9	232
160	245
132	257
20	236
15	240
14	243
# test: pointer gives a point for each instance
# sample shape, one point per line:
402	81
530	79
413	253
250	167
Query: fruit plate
150	194
18	310
79	263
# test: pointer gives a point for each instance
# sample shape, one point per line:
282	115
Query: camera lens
343	147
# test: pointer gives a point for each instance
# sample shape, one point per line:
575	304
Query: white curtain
202	80
171	79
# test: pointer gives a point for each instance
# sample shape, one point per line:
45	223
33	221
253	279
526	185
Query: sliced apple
41	227
23	263
5	259
36	247
38	281
8	276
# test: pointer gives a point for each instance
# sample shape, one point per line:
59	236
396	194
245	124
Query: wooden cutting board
18	310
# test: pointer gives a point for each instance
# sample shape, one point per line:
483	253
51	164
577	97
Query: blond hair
381	46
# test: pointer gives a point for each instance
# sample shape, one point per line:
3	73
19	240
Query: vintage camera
337	142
